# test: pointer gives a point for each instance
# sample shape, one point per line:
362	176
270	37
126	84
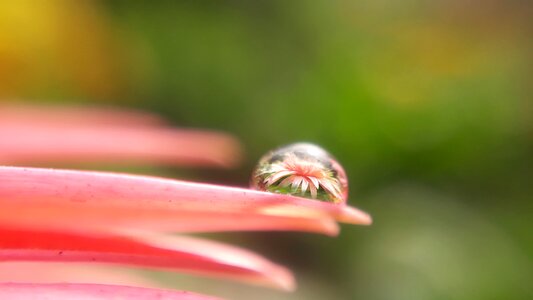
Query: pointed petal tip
284	280
352	215
277	277
331	228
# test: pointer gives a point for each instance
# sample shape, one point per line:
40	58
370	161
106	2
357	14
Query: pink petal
40	115
58	198
185	254
32	143
330	188
315	182
67	291
305	184
313	190
277	176
50	272
296	182
287	181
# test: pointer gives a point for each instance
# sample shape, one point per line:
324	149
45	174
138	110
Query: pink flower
61	217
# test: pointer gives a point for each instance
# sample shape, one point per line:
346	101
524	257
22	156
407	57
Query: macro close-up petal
97	200
74	272
74	135
29	144
65	291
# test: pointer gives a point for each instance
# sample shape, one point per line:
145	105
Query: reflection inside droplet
304	170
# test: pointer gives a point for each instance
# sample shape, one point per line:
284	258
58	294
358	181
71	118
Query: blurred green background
427	104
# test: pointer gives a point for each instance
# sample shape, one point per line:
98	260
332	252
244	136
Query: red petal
173	253
58	198
66	291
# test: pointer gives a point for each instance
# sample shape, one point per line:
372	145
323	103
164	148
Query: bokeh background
427	104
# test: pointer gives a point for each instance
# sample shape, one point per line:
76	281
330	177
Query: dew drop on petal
303	170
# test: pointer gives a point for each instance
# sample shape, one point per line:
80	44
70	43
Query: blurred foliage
426	103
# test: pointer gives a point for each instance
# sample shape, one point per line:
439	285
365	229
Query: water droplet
303	170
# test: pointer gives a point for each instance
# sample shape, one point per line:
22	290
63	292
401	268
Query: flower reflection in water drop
302	169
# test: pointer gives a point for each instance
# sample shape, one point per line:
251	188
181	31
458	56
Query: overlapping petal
73	272
185	254
66	291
